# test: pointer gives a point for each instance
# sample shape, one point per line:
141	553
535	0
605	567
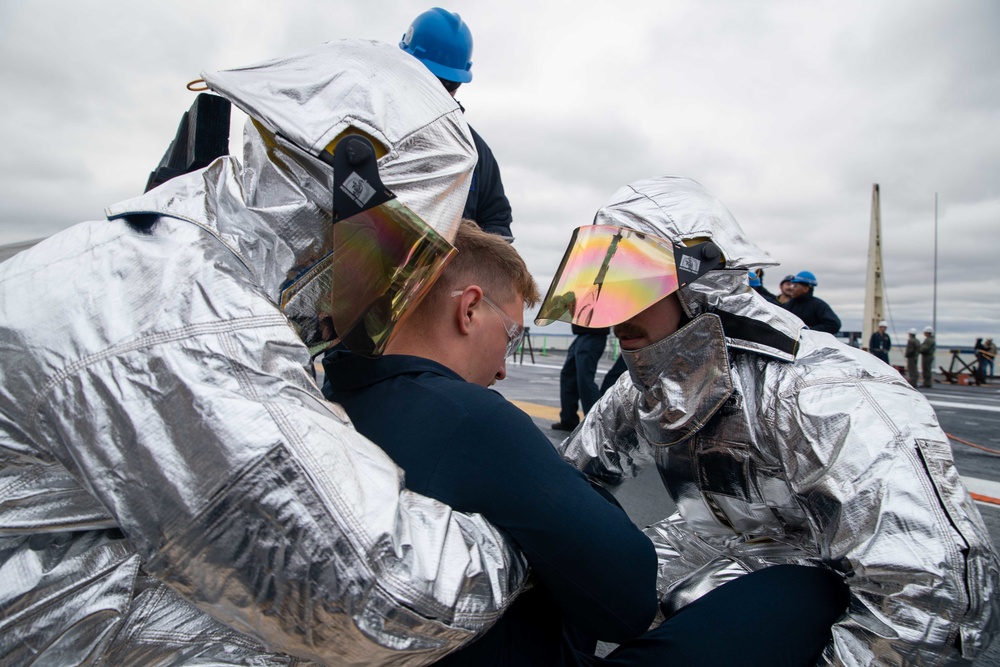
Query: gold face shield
380	260
609	274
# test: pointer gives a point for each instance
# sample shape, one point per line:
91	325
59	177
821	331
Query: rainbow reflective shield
607	275
380	264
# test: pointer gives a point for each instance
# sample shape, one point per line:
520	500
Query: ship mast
874	287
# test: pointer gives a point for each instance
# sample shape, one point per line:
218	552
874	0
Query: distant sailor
879	344
927	348
912	356
816	313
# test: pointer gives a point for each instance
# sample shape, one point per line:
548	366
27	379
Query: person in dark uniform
443	42
593	570
880	343
912	356
785	289
816	313
926	349
577	386
755	278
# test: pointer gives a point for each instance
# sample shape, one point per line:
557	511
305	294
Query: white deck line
983	487
965	406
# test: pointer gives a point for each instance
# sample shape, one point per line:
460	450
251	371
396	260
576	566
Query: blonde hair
486	260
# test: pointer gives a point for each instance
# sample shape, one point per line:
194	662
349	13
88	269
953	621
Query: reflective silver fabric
683	359
313	96
679	209
173	488
818	454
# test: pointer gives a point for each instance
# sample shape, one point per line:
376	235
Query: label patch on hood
690	264
358	189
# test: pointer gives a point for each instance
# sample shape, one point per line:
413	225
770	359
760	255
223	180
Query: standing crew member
880	343
816	313
980	373
577	386
989	354
927	347
757	285
442	41
785	289
912	355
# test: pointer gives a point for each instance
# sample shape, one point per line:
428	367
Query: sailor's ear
466	310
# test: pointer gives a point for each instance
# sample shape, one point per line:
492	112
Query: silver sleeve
184	410
606	446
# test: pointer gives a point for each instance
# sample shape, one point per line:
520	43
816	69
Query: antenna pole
934	313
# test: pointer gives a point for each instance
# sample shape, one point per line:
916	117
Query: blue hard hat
754	280
805	277
442	42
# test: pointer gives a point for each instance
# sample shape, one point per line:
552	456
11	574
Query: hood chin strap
684	379
749	322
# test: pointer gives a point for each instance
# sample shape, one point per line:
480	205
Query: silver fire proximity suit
781	445
173	487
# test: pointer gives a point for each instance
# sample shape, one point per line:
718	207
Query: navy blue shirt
816	313
487	204
467	446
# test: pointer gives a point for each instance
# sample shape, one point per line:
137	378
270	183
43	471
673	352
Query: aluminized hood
274	210
680	210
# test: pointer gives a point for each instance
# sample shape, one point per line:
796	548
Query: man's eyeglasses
515	332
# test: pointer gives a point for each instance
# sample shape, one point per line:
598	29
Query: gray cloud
788	111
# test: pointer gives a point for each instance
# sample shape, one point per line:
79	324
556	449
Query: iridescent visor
607	275
382	263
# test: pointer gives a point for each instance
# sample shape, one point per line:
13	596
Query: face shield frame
609	274
381	259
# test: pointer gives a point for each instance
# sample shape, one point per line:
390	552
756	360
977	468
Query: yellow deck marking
539	410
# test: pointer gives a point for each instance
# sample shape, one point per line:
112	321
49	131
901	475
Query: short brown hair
486	260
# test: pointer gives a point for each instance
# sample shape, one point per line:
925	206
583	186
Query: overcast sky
788	111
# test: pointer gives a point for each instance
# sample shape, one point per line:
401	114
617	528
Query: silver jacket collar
684	380
750	323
